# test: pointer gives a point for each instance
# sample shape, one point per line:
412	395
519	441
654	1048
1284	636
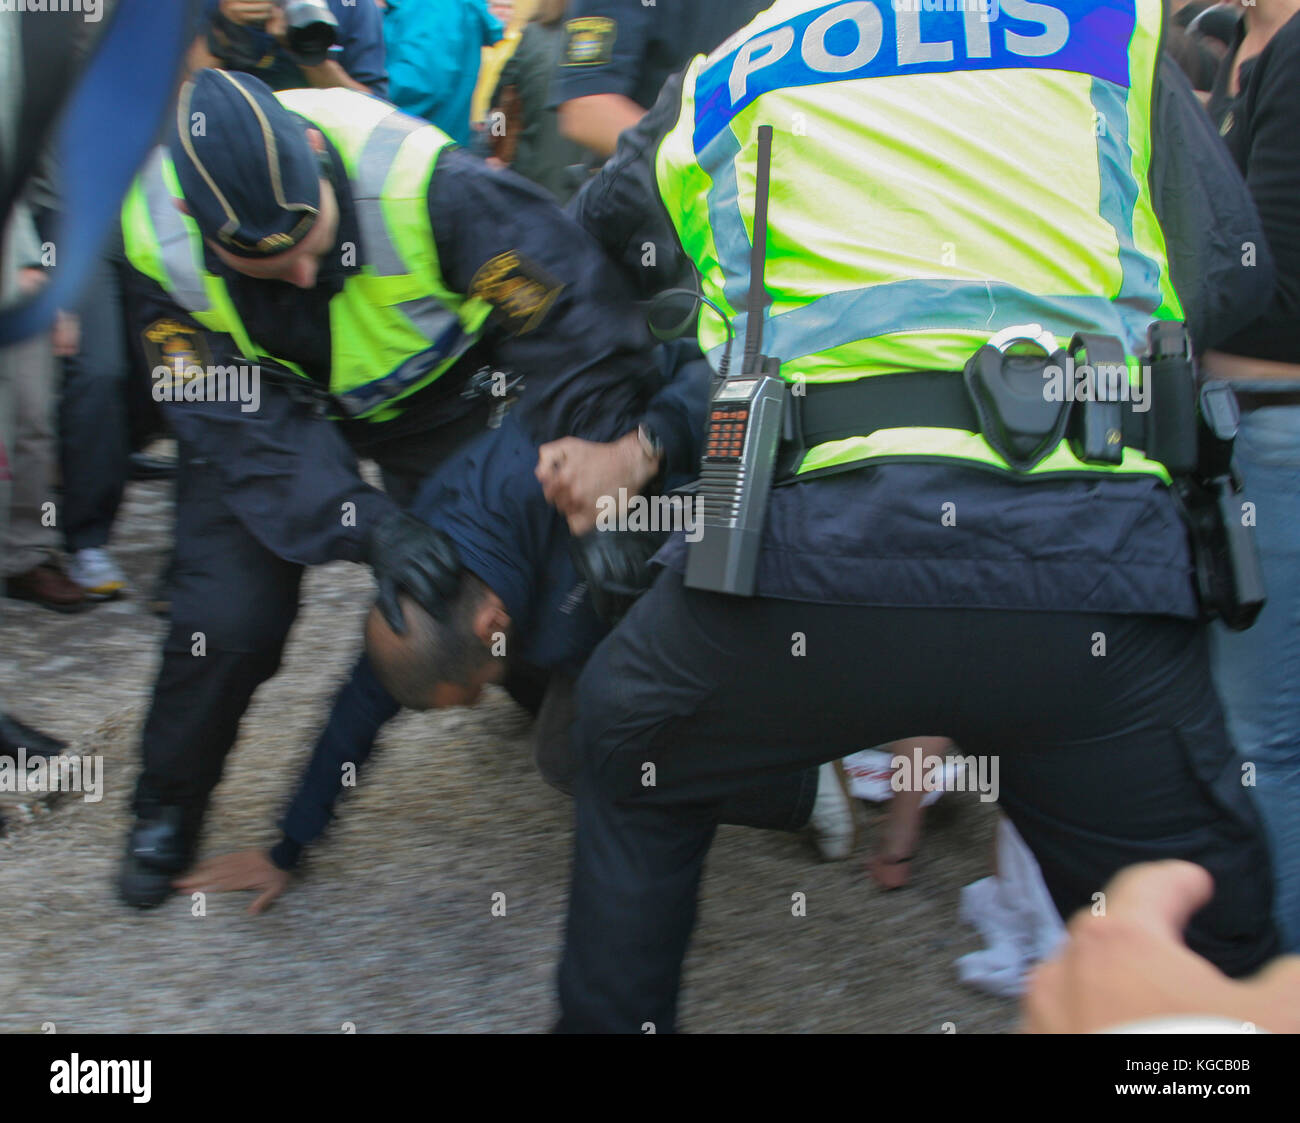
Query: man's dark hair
433	650
1193	57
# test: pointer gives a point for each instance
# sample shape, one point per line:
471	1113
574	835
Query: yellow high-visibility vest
937	176
395	327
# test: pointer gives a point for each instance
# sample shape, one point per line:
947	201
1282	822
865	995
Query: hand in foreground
31	280
1132	964
576	474
249	869
67	335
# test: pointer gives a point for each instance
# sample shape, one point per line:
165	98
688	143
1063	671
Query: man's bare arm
597	121
330	75
200	58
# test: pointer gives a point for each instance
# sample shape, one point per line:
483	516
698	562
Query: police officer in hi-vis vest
982	458
323	277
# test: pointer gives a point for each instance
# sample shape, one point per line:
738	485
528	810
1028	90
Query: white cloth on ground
1015	917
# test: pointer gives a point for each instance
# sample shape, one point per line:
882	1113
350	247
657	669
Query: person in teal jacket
434	49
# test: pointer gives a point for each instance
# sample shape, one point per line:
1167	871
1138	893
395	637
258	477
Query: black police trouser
1104	760
243	599
780	802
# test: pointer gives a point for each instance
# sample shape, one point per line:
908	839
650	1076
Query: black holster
1015	416
1189	428
1192	431
1229	579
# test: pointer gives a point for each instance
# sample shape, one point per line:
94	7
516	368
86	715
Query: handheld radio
744	433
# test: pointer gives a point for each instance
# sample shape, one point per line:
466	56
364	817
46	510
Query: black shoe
14	735
47	585
158	849
142	466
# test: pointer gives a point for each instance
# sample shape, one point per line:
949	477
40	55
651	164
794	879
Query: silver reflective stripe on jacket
430	316
184	280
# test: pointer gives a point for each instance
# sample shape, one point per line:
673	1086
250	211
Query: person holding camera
291	44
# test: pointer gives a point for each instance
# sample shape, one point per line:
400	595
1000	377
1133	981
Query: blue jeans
1258	671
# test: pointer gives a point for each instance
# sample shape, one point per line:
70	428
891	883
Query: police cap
250	177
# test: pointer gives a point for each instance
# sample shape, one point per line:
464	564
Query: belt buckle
1036	334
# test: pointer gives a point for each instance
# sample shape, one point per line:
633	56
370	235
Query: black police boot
14	735
142	466
159	848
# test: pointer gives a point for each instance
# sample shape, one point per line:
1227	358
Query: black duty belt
834	411
1262	399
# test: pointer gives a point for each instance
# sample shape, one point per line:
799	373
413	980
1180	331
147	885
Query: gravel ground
392	929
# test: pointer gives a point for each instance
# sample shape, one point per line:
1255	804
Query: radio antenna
758	296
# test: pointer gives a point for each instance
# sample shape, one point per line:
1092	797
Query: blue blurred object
110	122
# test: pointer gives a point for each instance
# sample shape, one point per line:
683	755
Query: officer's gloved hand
409	556
616	566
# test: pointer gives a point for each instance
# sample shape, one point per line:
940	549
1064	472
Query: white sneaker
833	827
96	573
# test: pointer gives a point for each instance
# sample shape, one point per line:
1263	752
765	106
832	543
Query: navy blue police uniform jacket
488	500
286	470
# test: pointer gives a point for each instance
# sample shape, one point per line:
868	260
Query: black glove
409	556
616	566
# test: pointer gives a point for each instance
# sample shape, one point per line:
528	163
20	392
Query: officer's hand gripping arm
410	557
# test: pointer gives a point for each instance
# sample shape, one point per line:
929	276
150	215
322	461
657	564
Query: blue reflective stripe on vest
1119	195
365	398
862	39
725	218
847	317
431	317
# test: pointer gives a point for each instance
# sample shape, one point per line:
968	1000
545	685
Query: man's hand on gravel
249	869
